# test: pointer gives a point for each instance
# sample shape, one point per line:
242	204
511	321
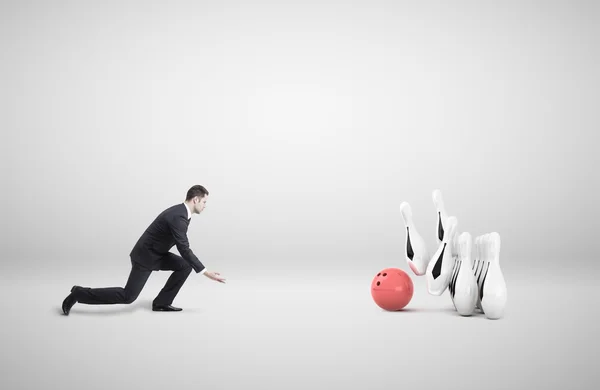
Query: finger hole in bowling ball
379	274
385	274
378	283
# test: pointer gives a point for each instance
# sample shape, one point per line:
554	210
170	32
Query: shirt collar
188	210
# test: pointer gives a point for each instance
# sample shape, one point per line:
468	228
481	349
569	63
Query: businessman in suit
151	253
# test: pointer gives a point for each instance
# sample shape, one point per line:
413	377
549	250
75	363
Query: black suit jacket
168	229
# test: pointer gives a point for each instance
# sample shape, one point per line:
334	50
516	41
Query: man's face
199	204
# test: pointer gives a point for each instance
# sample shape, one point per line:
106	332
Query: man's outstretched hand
214	276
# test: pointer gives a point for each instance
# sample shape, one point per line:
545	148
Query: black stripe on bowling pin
483	282
477	272
451	278
477	268
437	269
455	272
458	265
451	284
440	227
409	250
476	260
483	265
438	201
479	263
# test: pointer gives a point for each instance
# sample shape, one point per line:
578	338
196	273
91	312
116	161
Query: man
151	253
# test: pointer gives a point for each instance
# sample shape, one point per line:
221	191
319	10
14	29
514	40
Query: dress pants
135	283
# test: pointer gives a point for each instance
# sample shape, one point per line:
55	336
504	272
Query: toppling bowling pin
493	294
442	219
464	289
416	253
439	269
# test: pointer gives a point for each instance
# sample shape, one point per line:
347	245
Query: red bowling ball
392	289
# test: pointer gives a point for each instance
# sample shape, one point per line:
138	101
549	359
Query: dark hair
196	190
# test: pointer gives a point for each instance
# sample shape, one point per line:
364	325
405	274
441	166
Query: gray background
309	123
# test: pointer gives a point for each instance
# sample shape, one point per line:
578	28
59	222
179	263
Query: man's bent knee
130	297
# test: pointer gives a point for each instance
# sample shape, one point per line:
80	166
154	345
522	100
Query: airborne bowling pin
416	253
464	289
439	269
493	294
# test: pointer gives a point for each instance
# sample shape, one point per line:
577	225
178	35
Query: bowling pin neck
494	248
439	201
450	232
406	212
466	263
493	258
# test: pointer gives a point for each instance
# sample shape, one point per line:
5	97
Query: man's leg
164	299
110	295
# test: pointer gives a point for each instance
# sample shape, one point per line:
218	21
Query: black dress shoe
165	308
69	302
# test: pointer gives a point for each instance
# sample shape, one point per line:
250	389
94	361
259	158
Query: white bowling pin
416	253
464	290
494	294
439	269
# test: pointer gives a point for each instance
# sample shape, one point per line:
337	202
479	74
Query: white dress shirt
190	217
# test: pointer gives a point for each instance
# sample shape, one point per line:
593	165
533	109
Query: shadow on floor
446	310
102	310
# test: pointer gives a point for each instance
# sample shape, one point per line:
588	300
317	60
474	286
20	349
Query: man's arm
178	227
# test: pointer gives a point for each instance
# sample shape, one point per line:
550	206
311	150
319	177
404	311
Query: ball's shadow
447	310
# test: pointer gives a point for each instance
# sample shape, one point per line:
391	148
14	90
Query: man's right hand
214	276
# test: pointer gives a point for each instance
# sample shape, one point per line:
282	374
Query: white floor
295	331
